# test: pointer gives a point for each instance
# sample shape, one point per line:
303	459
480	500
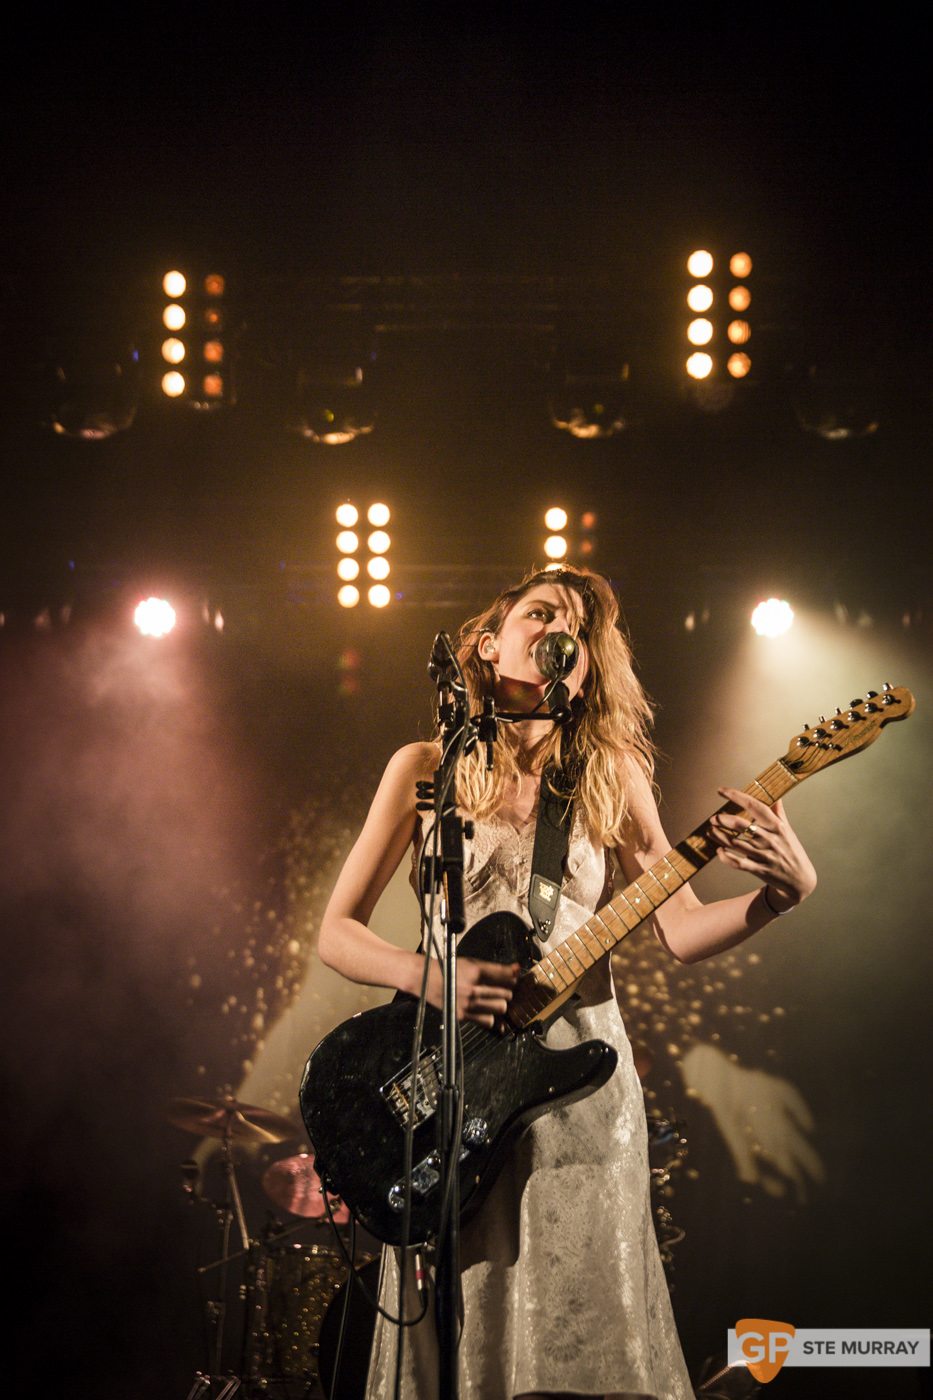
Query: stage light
154	617
173	384
378	514
555	547
555	518
379	595
202	320
738	365
173	350
700	331
378	542
700	263
772	617
347	514
332	401
348	596
92	387
378	568
699	365
711	331
700	297
838	402
348	542
348	568
586	546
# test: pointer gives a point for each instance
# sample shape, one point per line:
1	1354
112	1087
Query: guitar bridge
397	1092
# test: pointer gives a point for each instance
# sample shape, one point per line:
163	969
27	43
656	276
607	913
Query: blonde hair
610	723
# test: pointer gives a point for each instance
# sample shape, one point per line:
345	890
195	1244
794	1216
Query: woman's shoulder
416	761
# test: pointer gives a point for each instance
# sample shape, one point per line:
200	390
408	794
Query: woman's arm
349	946
691	930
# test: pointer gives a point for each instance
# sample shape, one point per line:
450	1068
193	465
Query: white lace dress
563	1285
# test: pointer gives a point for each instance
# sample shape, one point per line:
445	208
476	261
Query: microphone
556	655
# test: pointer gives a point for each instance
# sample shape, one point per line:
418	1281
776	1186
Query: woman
563	1288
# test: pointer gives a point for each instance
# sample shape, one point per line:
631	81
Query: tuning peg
821	719
805	726
887	686
871	694
853	703
838	711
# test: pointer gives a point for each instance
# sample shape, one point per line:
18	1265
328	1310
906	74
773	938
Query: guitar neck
554	979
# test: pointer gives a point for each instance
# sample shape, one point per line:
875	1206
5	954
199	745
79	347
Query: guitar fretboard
555	976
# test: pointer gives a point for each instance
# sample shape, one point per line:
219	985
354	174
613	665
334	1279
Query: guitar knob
476	1132
396	1198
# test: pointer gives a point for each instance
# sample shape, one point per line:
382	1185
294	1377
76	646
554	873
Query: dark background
464	196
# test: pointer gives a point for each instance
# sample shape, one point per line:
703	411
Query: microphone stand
446	874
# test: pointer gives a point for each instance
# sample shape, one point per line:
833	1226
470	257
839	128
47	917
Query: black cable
344	1311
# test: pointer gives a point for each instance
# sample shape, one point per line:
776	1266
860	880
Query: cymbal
226	1118
293	1184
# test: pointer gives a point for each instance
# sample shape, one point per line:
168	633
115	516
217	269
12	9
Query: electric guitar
358	1092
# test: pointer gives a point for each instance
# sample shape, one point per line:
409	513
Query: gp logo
764	1344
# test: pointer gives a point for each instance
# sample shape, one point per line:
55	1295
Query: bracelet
776	912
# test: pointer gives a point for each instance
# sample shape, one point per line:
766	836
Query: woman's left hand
764	843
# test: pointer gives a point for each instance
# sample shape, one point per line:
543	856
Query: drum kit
293	1293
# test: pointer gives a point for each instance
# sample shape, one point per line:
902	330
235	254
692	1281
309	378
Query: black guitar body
356	1090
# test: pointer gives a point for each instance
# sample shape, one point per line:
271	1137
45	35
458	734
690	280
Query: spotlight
838	401
379	514
348	568
378	542
772	617
591	405
174	284
348	596
92	389
700	263
378	568
154	617
699	365
379	595
555	518
347	514
333	404
348	542
555	547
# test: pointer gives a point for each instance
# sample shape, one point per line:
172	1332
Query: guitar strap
552	837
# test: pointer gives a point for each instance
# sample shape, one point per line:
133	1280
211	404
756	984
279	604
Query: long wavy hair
610	722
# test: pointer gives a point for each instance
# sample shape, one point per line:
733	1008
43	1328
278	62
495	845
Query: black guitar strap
552	837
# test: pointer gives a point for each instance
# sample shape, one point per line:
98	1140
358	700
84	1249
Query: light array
349	546
195	352
559	545
719	328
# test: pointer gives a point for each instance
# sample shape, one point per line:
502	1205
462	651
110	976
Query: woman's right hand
484	989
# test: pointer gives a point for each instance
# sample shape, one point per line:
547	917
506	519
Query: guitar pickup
425	1176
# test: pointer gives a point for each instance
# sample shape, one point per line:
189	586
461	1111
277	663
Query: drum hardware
288	1287
230	1121
293	1184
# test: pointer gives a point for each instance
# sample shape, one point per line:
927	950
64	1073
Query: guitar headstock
849	730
